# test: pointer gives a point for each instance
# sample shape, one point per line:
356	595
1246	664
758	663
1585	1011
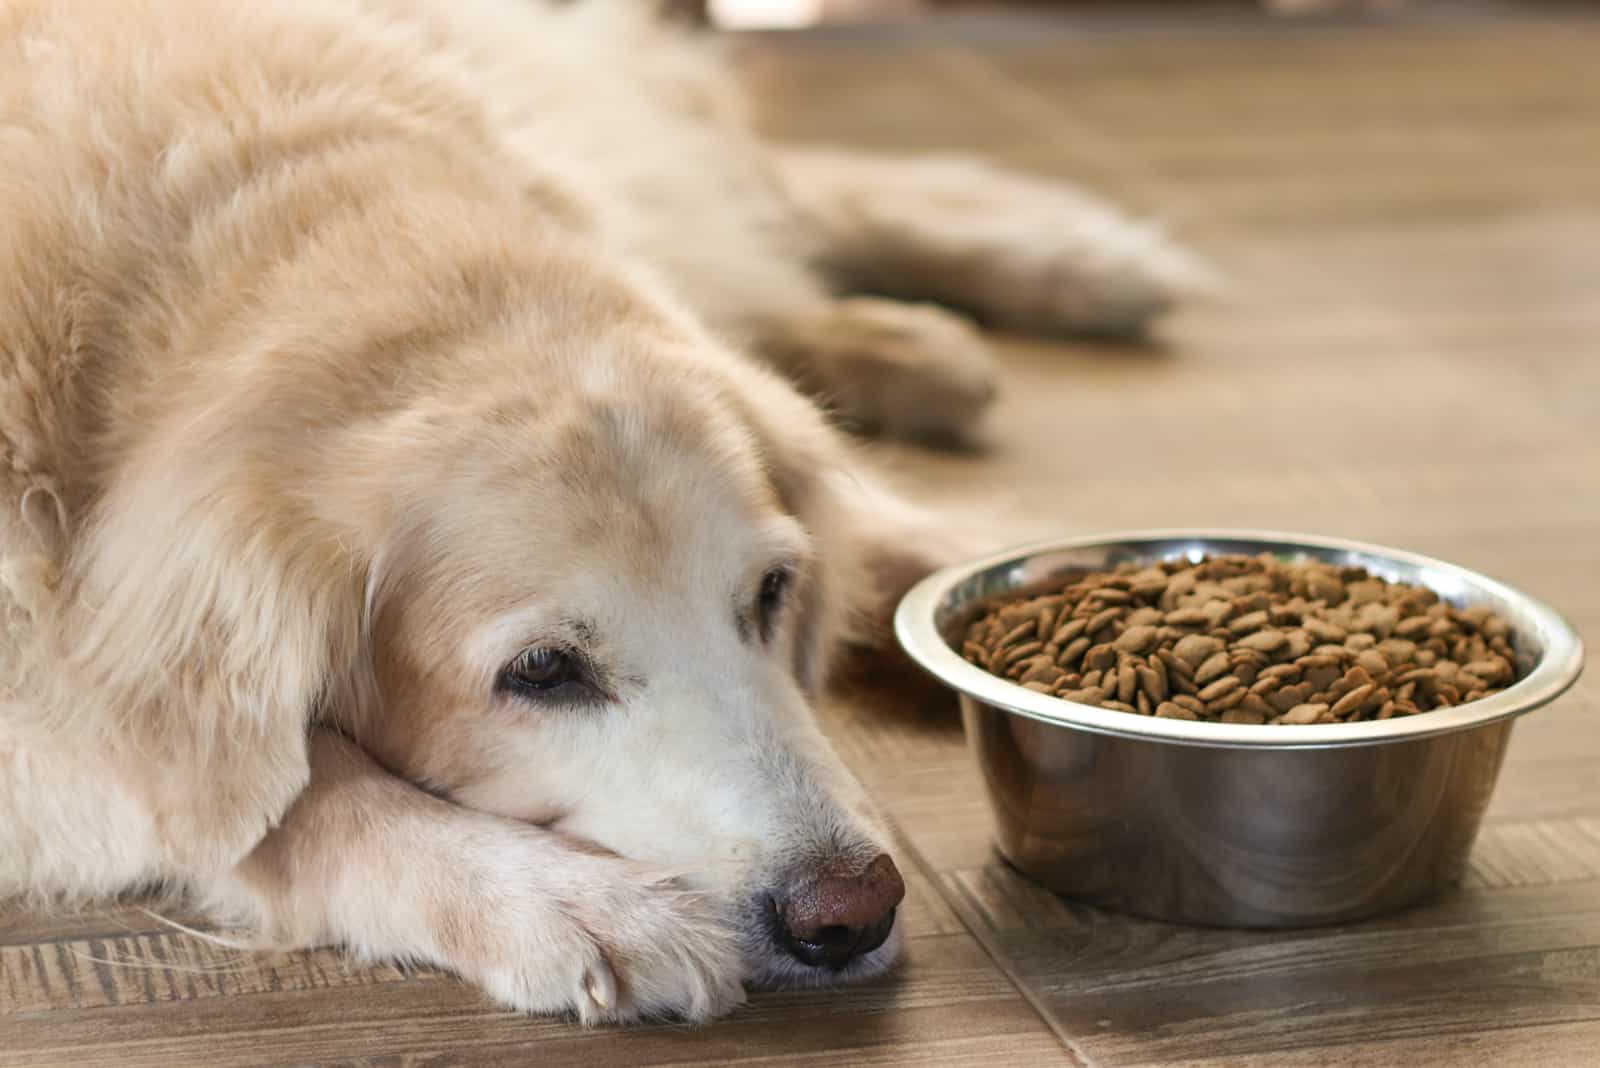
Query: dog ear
198	626
803	457
872	545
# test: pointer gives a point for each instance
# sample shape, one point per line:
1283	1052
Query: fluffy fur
348	350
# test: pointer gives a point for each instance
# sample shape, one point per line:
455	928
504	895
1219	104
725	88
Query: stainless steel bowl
1232	824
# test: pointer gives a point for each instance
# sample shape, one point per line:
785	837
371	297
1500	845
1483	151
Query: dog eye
769	601
541	670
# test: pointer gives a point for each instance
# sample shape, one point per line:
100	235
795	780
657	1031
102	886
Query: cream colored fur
349	349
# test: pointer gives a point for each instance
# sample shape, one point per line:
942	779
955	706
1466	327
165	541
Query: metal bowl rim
1556	670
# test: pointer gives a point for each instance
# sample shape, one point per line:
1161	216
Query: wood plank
946	1004
1559	1046
1132	991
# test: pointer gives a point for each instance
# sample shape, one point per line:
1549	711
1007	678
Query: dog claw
601	987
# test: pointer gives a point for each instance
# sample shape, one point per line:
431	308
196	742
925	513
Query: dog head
603	587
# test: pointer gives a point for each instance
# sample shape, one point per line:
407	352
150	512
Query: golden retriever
411	535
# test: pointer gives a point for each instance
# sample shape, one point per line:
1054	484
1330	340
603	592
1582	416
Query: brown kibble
1070	631
1363	592
1100	657
1245	640
1187	617
1149	589
1022	652
1173	710
1225	685
1265	684
1046	622
1017	633
1397	650
1152	683
1250	621
1290	696
1102	620
1215	666
1195	649
1415	627
1253	703
1264	641
1136	640
1227	701
1174	664
1495	671
1323	631
1298	644
1043	670
1127	680
1322	587
1300	714
1356	676
1073	652
1374	662
1352	700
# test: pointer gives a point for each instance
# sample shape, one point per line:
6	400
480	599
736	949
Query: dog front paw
618	943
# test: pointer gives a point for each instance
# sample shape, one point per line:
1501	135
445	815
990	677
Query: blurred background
773	14
1406	201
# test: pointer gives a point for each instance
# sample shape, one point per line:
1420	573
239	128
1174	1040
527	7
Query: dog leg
542	923
1016	252
883	367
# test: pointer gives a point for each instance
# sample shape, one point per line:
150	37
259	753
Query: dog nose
829	922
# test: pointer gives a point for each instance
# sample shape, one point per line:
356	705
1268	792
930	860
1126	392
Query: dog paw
1018	251
911	371
620	943
1102	274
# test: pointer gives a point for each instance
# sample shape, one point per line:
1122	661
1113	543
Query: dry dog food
1246	639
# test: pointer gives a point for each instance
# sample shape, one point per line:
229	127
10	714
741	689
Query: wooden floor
1412	216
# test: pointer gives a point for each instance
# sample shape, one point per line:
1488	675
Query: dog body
399	546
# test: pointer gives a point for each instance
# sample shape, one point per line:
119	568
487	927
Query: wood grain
1411	219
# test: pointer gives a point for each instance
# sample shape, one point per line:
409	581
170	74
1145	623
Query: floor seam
1076	1056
